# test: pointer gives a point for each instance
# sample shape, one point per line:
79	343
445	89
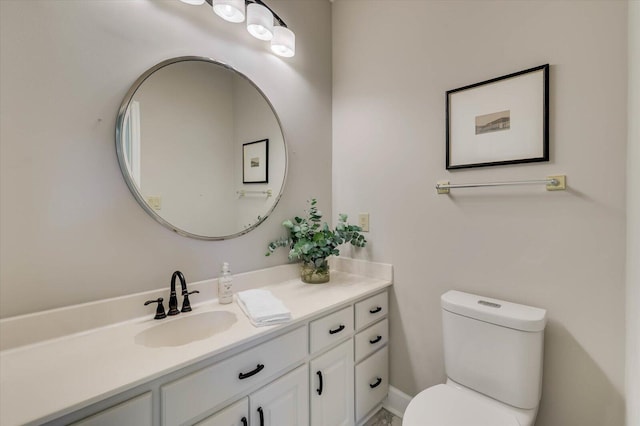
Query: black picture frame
511	124
255	161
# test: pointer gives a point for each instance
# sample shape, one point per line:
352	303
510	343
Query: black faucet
173	299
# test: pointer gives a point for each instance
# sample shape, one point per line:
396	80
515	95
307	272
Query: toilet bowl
493	359
451	404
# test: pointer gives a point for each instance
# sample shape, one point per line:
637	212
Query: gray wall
70	230
562	251
632	373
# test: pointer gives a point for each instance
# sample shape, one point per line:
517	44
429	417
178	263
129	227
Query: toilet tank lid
494	311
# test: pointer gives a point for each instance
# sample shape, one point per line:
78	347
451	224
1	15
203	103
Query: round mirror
201	148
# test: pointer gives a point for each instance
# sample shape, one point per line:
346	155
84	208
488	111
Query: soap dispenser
225	283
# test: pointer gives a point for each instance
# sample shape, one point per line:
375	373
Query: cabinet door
332	387
234	415
284	402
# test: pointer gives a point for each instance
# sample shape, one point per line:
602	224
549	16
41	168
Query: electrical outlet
363	221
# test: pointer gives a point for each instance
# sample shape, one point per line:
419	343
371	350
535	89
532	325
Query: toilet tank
494	347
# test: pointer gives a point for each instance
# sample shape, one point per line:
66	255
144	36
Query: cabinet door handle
261	416
376	384
319	390
337	330
376	340
244	421
258	369
375	310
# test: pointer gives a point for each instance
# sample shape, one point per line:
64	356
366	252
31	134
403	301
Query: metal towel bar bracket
553	183
243	192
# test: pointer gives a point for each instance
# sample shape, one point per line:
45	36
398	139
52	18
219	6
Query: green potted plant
312	241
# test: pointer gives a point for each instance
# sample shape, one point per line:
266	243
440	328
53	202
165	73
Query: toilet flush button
489	304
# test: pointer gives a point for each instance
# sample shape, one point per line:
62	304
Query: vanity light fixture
260	22
229	10
283	42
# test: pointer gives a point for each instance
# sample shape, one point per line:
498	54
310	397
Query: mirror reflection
201	148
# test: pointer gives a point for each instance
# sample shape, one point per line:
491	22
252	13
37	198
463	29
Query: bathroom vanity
328	366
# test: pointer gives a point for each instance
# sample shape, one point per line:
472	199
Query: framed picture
500	121
255	162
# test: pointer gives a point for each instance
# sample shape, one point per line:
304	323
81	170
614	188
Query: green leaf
311	240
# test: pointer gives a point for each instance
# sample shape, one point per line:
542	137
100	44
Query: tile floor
384	418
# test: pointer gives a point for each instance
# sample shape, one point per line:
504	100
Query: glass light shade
193	2
259	21
229	10
283	42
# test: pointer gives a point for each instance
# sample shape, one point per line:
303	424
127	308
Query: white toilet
493	360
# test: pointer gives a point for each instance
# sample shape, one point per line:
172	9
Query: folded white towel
262	308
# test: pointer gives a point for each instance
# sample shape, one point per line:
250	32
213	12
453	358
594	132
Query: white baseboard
396	402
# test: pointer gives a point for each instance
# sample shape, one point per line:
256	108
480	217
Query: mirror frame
120	121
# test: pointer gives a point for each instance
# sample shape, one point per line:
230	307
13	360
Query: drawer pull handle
258	369
376	340
244	421
319	390
376	384
375	310
261	416
337	330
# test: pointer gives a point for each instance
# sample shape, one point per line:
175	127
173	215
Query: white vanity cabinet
351	379
327	368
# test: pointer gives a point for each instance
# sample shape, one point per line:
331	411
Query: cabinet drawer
203	390
372	382
134	412
371	339
230	416
371	309
331	328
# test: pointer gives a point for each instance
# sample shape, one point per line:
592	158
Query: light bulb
229	10
259	21
283	42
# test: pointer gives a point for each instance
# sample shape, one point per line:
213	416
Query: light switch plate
155	202
363	221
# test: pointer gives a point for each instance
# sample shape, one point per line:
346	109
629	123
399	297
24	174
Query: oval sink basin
186	328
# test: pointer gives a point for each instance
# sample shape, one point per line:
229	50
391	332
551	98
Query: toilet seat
445	405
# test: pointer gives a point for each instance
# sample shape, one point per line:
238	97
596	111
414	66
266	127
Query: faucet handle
160	310
186	305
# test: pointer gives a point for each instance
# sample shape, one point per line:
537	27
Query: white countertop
43	381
